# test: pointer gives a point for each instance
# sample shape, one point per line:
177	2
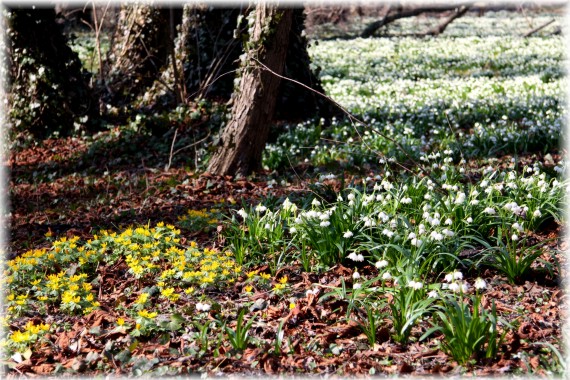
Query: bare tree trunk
48	89
140	48
389	18
243	139
441	27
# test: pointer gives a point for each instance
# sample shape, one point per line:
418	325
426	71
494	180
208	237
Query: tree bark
140	47
244	138
389	18
47	87
436	31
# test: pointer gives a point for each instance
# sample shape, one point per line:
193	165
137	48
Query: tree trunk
243	139
47	87
140	47
205	49
294	102
391	17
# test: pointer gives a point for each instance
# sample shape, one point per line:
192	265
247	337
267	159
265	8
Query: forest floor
65	187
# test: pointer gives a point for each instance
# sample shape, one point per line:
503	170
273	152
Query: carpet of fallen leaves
65	187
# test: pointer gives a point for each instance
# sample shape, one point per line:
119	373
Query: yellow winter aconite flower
251	274
283	280
120	321
169	293
20	337
248	288
279	287
292	305
146	314
69	297
141	300
189	290
265	276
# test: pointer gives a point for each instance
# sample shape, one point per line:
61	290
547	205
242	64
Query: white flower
357	286
515	237
356	257
288	205
350	196
386	276
316	202
325	223
464	287
412	235
202	306
454	287
518	227
489	210
448	232
436	236
381	264
456	275
355	275
415	285
387	232
416	242
433	294
448	221
292	230
480	283
242	213
267	226
260	208
537	213
406	201
348	234
469	220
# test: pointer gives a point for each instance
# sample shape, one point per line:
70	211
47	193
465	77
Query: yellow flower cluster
61	276
198	219
30	334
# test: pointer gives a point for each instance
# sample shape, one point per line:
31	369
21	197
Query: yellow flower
251	274
248	288
189	290
265	276
146	314
20	337
36	282
143	297
279	287
292	305
283	280
69	297
120	321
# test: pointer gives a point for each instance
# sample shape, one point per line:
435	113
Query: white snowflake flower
381	264
480	283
